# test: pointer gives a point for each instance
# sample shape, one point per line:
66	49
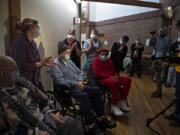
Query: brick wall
134	26
175	29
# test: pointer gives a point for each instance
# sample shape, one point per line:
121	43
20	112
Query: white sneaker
116	111
122	104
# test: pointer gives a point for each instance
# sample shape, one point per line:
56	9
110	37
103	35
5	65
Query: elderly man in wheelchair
25	107
65	73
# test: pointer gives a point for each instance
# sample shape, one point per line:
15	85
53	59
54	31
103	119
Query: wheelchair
106	95
60	99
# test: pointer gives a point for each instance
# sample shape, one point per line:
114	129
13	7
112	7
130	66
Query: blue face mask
103	58
37	33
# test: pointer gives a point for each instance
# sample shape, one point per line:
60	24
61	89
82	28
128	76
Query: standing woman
24	51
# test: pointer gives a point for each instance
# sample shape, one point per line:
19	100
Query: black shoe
170	116
174	123
105	123
156	94
95	131
167	84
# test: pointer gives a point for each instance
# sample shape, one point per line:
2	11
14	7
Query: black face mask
15	75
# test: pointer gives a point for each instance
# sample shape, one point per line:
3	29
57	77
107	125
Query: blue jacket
66	75
162	47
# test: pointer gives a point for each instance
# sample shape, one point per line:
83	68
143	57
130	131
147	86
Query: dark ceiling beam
130	2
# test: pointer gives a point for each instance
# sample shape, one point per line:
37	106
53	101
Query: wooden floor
143	107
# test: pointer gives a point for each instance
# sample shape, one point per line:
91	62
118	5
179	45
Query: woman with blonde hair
24	51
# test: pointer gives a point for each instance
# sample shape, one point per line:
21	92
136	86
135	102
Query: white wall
4	25
55	17
92	11
105	11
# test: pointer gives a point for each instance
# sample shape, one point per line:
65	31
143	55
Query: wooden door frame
14	17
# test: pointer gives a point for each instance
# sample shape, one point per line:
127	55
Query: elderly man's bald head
8	70
7	63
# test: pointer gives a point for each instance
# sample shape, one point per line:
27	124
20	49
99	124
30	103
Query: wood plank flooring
143	107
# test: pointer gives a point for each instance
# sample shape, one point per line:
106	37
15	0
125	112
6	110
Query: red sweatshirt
103	69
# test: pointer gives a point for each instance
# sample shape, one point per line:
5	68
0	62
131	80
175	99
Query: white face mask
120	41
137	41
92	36
178	39
103	58
71	37
37	33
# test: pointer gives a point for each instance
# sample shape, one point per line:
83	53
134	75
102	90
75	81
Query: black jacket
117	55
74	56
139	51
174	52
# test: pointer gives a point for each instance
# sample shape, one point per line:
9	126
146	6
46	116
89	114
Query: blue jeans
90	99
177	109
171	76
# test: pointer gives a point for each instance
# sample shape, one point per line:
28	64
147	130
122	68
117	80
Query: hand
81	85
73	45
56	117
139	46
121	48
92	44
47	61
85	82
41	132
98	49
50	63
165	64
114	77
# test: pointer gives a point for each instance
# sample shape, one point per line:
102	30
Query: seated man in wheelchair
26	107
105	74
66	73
